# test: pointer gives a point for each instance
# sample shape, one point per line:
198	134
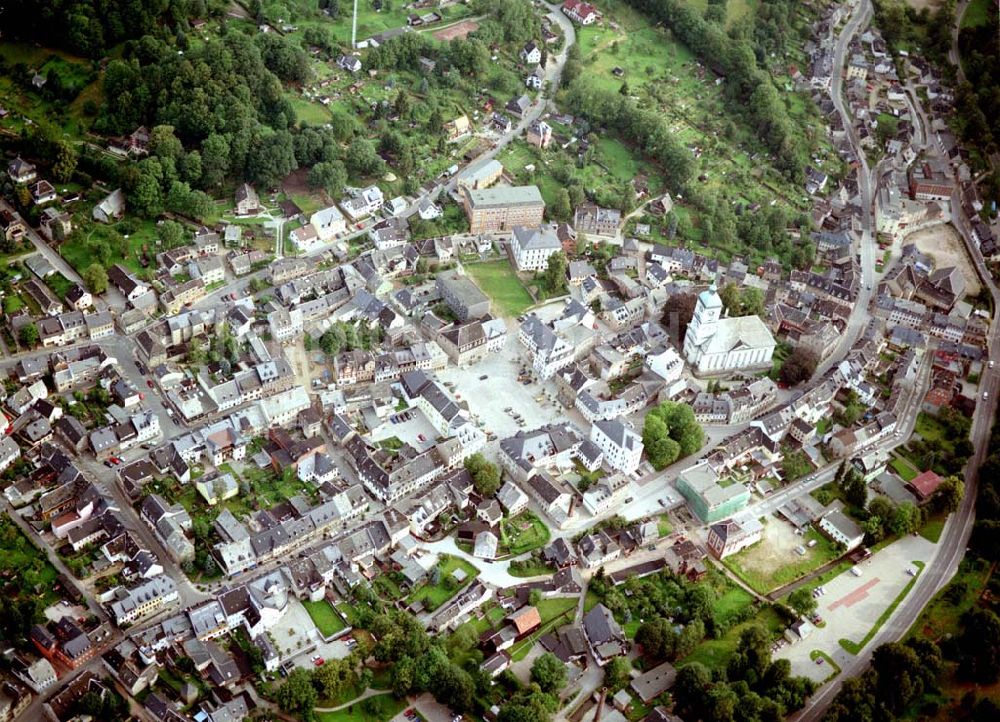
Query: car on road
986	395
138	365
108	464
320	662
149	383
483	377
421	438
856	571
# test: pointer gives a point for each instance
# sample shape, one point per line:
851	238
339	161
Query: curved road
951	546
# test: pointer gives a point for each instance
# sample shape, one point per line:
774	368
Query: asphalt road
954	538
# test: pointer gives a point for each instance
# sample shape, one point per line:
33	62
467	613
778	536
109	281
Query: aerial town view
499	360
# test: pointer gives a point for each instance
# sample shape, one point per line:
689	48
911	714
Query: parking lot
410	427
488	397
296	636
851	605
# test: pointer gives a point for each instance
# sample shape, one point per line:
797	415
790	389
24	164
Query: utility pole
354	27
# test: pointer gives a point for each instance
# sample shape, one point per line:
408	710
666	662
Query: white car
986	395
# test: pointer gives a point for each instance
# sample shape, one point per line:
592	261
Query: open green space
663	527
765	572
380	708
976	14
327	621
941	617
856	647
905	470
434	595
128	242
522	534
498	280
932	528
715	653
24	569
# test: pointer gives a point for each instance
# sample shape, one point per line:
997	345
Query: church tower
704	322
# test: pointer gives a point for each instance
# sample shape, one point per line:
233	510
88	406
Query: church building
715	346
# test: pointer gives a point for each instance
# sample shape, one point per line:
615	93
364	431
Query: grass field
380	708
715	653
931	531
327	621
498	281
905	470
524	533
976	14
941	616
24	569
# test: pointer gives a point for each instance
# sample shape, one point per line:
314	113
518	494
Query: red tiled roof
926	484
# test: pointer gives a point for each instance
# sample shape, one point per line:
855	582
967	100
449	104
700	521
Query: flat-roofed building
503	207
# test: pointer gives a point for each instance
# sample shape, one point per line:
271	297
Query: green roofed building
710	501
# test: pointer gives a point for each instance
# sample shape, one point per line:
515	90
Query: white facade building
531	247
714	345
621	445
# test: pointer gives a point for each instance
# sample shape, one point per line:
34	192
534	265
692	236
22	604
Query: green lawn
663	527
715	653
434	595
498	280
327	621
524	533
732	603
976	14
903	468
941	616
380	708
793	568
530	570
931	531
24	569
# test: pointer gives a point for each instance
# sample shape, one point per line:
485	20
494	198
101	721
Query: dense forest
91	27
978	99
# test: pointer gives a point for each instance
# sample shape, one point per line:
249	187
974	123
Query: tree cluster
485	476
900	673
91	27
799	366
985	540
748	88
646	128
669	433
748	301
751	688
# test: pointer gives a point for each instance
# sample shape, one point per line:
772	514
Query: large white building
322	227
531	247
714	345
549	352
622	447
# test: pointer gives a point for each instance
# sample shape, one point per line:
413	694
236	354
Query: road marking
859	594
